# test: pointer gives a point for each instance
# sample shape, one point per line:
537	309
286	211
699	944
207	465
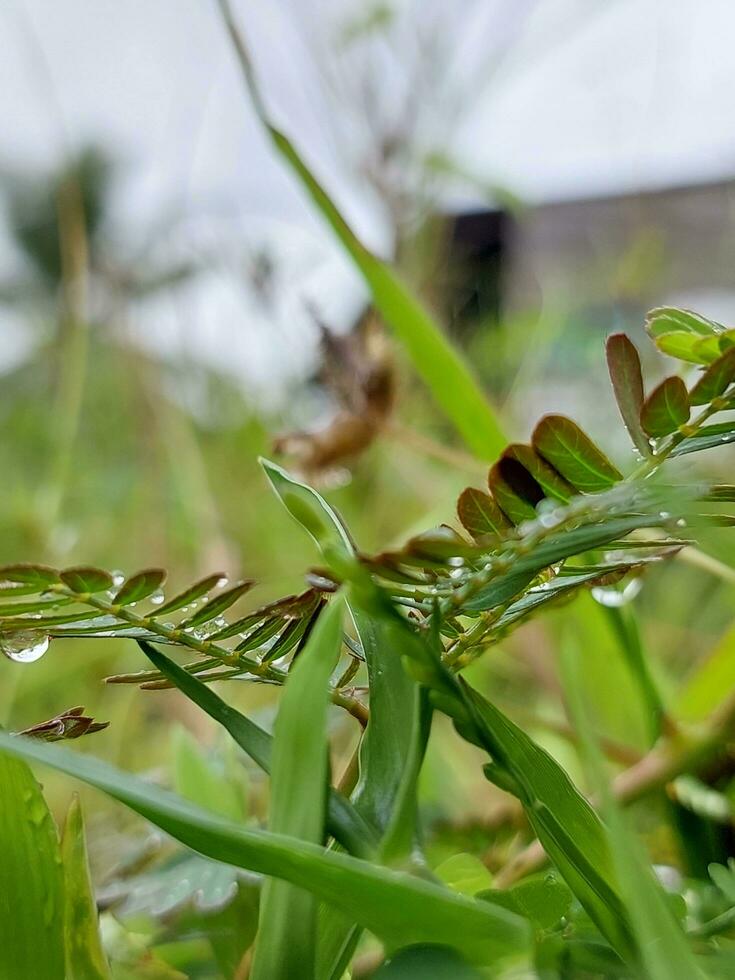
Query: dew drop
614	597
24	647
117	577
222	582
157	597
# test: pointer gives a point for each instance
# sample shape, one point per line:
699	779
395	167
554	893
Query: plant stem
209	649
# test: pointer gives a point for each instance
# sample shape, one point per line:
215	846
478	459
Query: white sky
592	96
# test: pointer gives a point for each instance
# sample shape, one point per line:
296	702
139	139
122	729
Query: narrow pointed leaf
624	366
217	605
31	886
385	746
342	820
189	595
666	408
570	451
449	378
479	514
85	958
554	549
285	946
402	837
9	609
715	380
85	579
311	511
708	437
661	950
395	906
140	586
261	635
568	827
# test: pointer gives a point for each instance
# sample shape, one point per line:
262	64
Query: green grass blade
286	942
396	907
31	885
571	832
447	375
387	741
662	948
85	958
386	745
567	826
343	821
402	834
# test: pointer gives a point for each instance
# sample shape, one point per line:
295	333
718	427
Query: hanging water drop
24	647
614	597
117	577
157	597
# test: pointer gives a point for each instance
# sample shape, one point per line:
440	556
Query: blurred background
541	171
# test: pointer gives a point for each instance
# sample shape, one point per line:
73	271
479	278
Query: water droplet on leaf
24	647
614	597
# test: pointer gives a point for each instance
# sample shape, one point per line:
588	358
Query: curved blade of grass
85	958
343	821
401	835
445	372
286	941
662	949
567	826
385	747
708	437
569	829
31	886
396	907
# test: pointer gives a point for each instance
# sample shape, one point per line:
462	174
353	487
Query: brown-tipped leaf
479	514
570	451
715	380
624	366
666	408
140	586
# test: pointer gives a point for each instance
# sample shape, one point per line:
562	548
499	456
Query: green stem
207	648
